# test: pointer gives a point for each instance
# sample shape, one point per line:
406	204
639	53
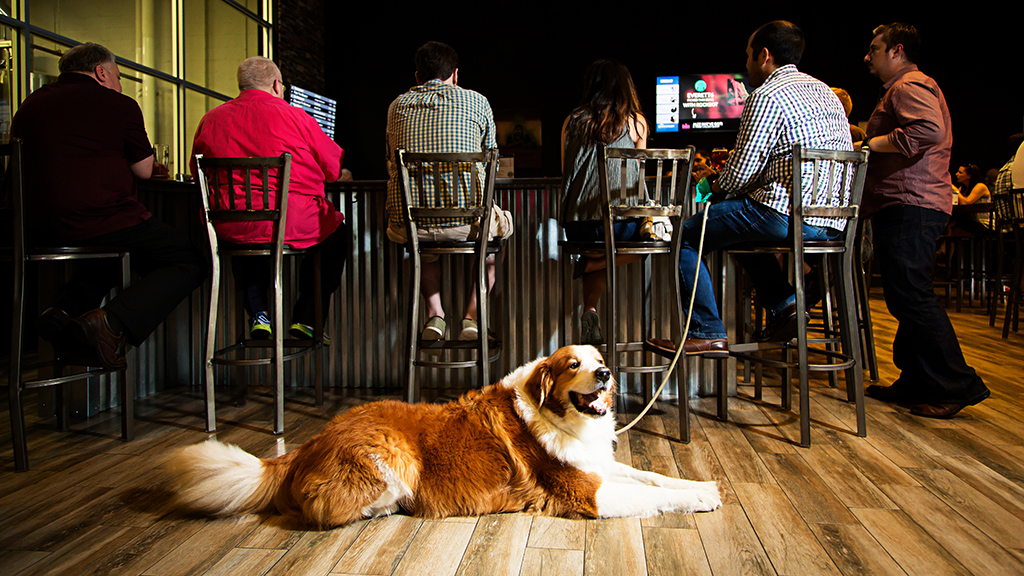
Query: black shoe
893	394
52	323
812	290
781	327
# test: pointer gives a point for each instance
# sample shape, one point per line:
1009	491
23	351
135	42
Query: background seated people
439	116
259	123
971	190
85	145
609	113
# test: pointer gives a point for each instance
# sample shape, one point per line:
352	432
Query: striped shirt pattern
438	117
790	107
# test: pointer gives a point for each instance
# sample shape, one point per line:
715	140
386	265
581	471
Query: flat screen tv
700	102
321	108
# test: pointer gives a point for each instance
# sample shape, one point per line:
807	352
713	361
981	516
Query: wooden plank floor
916	496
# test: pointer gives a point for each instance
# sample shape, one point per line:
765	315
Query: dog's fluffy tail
223	480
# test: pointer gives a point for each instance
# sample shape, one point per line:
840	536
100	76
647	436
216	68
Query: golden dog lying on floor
539	441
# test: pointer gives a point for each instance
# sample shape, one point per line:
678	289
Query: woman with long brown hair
608	114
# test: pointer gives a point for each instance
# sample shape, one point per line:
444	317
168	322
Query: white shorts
501	227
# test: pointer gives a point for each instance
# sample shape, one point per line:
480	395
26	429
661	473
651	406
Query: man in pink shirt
260	123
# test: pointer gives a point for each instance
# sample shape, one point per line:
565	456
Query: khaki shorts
501	227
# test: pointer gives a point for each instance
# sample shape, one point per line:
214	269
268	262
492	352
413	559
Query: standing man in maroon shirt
908	198
260	123
85	147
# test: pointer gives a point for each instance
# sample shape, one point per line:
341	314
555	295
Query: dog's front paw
710	499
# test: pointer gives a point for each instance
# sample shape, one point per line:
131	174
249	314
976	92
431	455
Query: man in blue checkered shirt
786	107
439	116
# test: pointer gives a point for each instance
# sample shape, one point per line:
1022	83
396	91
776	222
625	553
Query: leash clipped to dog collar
680	349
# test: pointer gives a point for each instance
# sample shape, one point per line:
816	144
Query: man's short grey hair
257	72
85	58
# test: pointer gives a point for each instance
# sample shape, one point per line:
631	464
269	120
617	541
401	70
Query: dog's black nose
603	374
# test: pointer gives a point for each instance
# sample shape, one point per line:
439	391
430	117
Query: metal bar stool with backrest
21	254
445	171
1016	296
219	180
837	181
665	201
997	281
862	277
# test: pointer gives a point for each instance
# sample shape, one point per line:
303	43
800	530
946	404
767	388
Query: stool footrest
305	347
751	352
450	365
644	369
46	382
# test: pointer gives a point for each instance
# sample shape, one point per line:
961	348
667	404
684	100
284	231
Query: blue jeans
735	221
925	348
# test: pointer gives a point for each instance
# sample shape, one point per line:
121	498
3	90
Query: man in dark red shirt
85	146
908	195
260	123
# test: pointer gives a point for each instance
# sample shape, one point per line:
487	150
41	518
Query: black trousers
925	349
170	266
252	276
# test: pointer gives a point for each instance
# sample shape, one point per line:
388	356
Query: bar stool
997	282
220	180
423	179
837	182
1016	297
862	275
21	254
665	202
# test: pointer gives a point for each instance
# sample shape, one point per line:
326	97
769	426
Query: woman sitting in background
972	186
608	114
972	190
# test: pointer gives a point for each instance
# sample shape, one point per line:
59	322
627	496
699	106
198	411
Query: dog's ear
540	383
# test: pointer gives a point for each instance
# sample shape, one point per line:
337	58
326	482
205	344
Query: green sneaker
590	328
434	329
471	331
305	332
259	327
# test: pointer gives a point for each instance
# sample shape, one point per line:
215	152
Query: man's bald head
259	73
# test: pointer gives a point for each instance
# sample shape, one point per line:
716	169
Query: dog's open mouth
595	403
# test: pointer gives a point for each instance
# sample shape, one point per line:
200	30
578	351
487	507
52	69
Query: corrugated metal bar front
367	322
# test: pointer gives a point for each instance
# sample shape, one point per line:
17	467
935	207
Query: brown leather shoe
946	411
692	346
697	345
106	348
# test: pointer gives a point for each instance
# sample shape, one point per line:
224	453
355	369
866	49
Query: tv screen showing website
700	102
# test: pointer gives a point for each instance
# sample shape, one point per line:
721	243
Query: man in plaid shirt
786	107
1004	180
439	116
